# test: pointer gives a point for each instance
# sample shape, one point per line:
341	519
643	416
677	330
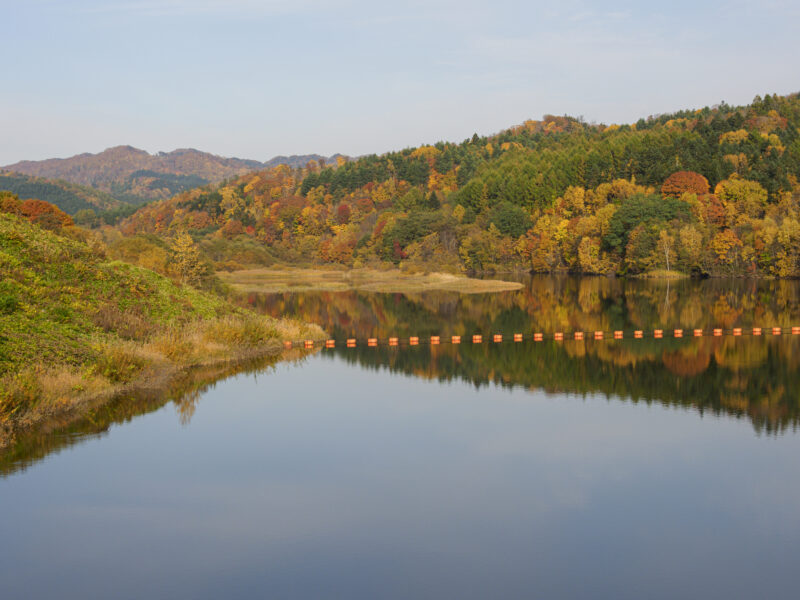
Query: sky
258	78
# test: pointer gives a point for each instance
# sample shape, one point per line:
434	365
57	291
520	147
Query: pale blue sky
254	78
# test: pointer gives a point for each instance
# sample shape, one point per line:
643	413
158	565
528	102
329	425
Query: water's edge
165	382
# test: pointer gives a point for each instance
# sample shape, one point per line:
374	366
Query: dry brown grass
59	384
240	332
174	344
277	280
38	391
128	324
663	274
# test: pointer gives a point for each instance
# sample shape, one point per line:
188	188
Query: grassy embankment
288	279
75	326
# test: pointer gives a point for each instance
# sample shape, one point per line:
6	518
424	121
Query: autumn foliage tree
185	260
684	182
343	214
39	212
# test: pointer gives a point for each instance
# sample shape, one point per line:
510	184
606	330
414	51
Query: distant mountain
136	176
294	161
69	197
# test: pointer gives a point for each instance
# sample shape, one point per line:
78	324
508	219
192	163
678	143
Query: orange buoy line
558	336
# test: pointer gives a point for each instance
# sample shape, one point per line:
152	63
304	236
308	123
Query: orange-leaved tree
684	182
39	212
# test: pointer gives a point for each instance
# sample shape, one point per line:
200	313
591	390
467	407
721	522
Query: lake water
614	469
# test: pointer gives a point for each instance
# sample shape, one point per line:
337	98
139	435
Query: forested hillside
708	191
69	197
300	160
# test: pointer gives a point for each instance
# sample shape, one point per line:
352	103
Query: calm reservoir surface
625	469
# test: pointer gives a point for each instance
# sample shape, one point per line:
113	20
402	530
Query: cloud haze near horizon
256	78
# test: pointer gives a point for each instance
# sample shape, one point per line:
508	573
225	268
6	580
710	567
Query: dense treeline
69	197
144	184
711	191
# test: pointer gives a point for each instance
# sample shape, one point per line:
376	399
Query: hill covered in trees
69	197
75	323
707	191
301	160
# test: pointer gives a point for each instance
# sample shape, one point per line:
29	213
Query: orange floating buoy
598	335
351	342
517	337
308	344
537	337
287	345
558	336
756	330
718	333
413	341
698	333
435	340
393	341
618	335
456	339
372	342
477	339
658	333
330	343
578	335
638	334
737	331
795	330
497	338
777	331
678	333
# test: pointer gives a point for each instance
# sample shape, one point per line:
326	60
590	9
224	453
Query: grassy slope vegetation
74	325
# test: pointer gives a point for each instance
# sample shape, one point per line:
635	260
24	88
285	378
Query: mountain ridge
134	175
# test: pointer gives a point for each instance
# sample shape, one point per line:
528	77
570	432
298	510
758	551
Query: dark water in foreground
600	469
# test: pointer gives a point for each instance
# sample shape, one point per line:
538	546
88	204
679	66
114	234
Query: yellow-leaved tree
186	263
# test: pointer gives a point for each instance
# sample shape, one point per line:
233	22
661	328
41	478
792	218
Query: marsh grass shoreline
297	279
109	365
55	414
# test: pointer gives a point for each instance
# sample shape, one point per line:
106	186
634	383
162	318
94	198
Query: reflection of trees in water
707	373
671	372
548	304
185	390
746	377
186	405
